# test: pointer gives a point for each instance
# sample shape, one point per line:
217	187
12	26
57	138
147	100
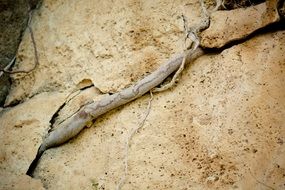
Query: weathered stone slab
22	129
227	26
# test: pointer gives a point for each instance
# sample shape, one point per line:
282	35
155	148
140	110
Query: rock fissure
199	136
79	119
273	27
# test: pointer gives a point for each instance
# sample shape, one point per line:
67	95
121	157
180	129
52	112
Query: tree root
123	178
78	121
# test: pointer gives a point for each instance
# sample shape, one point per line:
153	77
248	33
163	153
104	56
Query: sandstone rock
227	26
22	129
112	45
75	101
219	128
19	182
13	19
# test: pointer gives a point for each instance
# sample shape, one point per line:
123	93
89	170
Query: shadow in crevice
53	119
34	163
271	28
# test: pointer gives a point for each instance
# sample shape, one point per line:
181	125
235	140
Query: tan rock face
227	26
111	43
22	129
20	182
220	127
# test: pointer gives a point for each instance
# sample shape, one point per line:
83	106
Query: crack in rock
53	122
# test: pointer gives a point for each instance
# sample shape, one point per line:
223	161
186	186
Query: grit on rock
220	127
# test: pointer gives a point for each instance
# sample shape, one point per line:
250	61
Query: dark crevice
78	92
14	103
34	163
279	26
281	9
55	115
86	87
89	102
17	102
234	4
271	28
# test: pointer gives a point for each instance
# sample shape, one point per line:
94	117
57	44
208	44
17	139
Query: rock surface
22	129
112	45
13	21
227	26
13	17
20	182
220	127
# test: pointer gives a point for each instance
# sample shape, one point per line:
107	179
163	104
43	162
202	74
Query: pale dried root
78	121
123	179
72	126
